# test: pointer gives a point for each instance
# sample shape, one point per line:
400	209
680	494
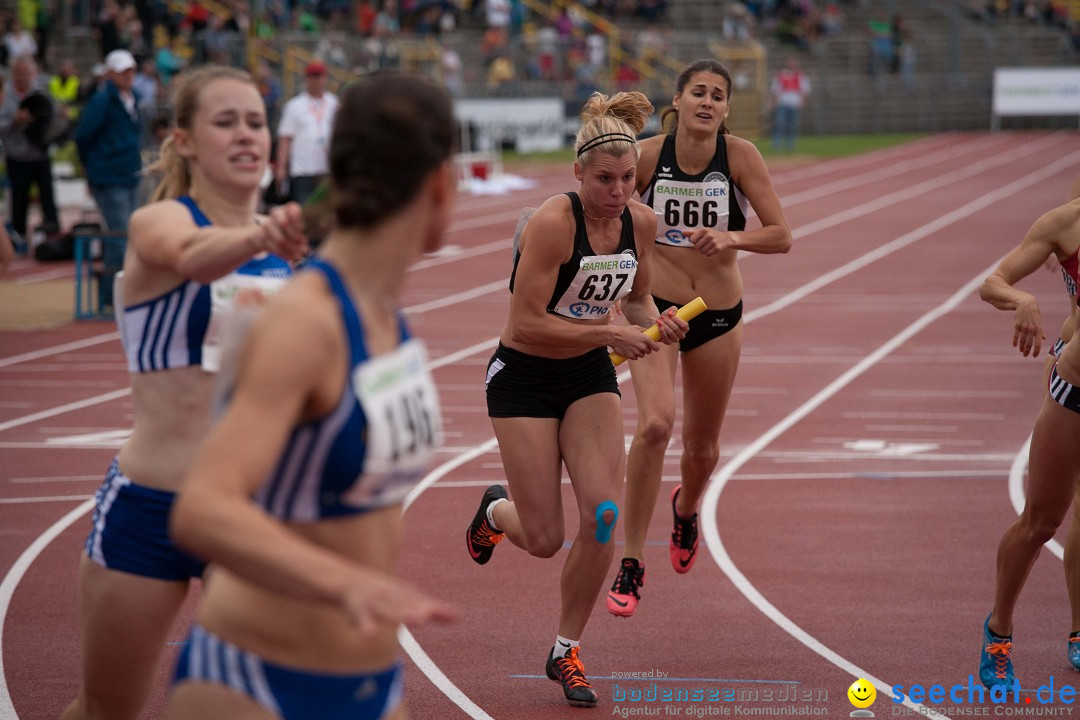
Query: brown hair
709	65
188	86
610	125
390	131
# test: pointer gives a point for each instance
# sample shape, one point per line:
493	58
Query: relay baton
686	313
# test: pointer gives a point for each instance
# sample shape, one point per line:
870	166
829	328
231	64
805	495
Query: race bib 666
683	206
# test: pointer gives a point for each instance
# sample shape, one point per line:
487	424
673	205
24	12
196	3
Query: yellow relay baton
686	313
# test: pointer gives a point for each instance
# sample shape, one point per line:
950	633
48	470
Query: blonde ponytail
175	177
610	125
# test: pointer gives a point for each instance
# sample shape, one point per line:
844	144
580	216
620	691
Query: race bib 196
404	425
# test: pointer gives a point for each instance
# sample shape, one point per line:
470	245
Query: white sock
563	646
490	517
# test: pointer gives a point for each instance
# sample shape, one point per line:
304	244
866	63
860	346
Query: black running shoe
480	538
622	599
569	671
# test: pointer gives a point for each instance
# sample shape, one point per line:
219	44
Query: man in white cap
108	137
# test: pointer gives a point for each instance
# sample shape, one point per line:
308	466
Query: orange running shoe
569	671
684	538
480	538
622	599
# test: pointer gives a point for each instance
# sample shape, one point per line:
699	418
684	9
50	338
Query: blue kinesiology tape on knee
604	527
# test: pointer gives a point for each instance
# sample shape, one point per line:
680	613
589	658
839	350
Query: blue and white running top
371	449
171	330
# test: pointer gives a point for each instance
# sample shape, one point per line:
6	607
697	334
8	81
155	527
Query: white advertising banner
528	124
1036	91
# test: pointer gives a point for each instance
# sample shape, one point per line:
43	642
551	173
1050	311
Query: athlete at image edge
706	265
303	594
129	594
541	428
1072	538
1053	468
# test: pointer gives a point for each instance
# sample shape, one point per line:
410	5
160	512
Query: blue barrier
98	257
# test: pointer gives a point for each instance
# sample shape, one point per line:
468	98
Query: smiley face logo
861	694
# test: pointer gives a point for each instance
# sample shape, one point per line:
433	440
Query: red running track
849	532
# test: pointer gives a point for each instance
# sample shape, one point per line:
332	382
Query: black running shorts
706	326
523	385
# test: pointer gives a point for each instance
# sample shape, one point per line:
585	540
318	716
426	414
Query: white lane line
887	172
53	478
1002	193
57	349
408	643
496	246
847	163
11	581
460	297
720	479
54	498
61	409
55	274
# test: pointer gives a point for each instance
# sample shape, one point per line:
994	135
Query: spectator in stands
25	115
93	83
789	89
132	36
386	21
239	19
168	59
904	49
43	24
832	19
196	17
738	23
547	51
650	43
790	29
107	29
365	17
19	41
109	137
881	45
453	73
146	87
498	14
303	135
564	24
64	88
271	92
218	42
652	10
500	73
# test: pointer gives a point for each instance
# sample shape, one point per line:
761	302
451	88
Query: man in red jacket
789	90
